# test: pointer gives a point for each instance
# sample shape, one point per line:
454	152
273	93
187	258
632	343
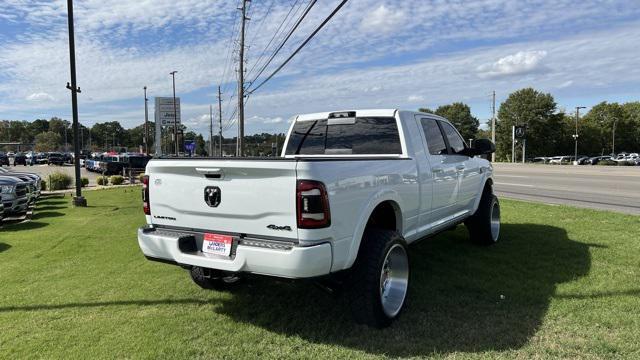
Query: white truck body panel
428	193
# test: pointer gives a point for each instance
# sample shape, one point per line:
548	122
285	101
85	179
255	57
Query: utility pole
78	200
175	113
575	136
146	123
220	117
210	130
493	125
244	18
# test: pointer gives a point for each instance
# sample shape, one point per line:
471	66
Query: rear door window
367	135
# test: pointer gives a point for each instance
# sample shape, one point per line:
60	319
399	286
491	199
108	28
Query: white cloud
415	98
266	120
40	96
382	19
520	63
565	84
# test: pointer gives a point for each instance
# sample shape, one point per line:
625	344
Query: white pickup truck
351	190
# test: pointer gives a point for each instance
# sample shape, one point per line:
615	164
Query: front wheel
379	279
484	225
213	279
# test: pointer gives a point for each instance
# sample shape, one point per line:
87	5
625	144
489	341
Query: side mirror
483	147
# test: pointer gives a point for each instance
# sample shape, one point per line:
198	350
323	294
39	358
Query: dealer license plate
217	244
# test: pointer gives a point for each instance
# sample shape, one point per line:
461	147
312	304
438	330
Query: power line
257	31
273	37
229	49
335	11
284	41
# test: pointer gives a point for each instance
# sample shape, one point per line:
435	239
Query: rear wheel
379	279
213	279
484	225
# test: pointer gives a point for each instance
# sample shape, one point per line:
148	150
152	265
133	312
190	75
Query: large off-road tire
484	225
379	280
213	279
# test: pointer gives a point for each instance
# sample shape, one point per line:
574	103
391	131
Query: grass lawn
562	283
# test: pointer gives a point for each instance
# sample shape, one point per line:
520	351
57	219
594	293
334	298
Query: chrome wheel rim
495	221
394	280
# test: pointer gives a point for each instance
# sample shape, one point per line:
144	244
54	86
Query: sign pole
513	144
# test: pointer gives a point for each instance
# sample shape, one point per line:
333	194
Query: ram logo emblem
212	196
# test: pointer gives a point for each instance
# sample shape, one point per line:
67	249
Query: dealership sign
165	114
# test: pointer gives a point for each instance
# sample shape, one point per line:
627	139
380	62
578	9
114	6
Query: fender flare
373	202
487	179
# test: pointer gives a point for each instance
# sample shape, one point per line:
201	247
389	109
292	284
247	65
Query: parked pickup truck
351	190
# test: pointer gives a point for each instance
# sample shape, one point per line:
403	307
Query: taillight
146	206
312	205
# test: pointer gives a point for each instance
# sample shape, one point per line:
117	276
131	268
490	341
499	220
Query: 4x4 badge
212	196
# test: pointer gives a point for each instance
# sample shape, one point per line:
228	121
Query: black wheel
213	279
379	279
484	225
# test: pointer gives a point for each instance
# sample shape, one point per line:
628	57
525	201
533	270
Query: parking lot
598	187
46	170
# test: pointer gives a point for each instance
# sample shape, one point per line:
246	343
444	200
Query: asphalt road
615	188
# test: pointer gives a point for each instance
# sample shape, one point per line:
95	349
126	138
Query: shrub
103	180
117	180
59	181
85	181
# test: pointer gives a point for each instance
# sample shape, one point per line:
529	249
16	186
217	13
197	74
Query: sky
372	54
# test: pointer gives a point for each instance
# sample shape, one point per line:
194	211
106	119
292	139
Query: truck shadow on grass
4	247
463	298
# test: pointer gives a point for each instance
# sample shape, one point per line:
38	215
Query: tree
48	141
108	135
459	114
546	130
598	124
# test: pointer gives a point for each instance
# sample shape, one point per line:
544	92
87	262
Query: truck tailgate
255	197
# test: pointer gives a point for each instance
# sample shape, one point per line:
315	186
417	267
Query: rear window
367	135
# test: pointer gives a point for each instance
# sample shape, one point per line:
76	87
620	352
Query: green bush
117	180
85	181
103	180
59	181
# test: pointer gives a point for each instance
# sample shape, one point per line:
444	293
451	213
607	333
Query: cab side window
456	144
435	140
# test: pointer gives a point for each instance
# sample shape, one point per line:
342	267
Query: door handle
436	169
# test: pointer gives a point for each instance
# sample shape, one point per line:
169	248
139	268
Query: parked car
4	159
582	159
35	178
13	193
20	159
351	191
540	160
556	160
55	158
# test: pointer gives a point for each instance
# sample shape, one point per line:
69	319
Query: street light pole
175	113
575	136
146	123
78	200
